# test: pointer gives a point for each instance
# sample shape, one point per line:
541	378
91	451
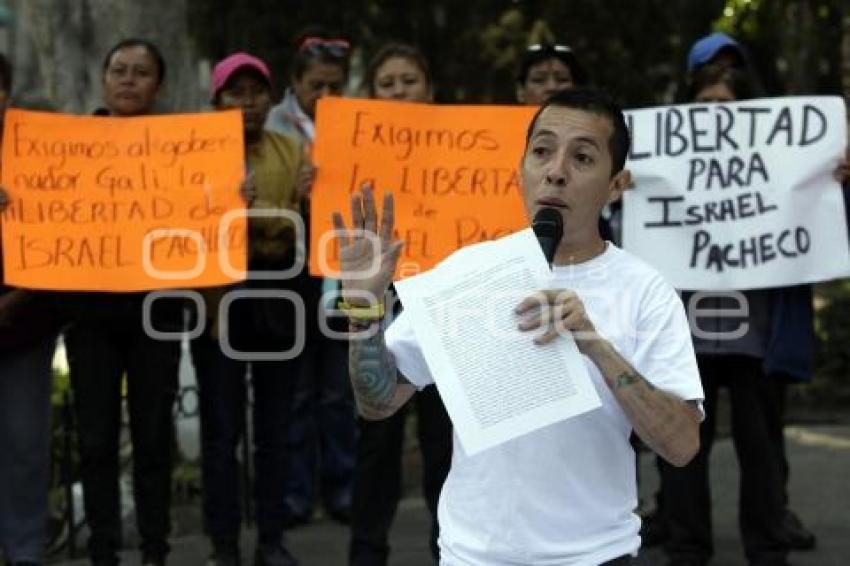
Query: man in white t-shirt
564	494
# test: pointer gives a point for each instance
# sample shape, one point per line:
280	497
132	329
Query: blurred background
637	49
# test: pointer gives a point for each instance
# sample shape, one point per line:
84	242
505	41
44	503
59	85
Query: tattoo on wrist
627	378
373	373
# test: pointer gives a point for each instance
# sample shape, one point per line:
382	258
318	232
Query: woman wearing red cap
261	331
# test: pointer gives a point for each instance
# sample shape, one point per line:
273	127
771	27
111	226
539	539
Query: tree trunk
802	62
70	40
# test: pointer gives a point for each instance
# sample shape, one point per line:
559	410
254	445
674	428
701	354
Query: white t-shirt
565	494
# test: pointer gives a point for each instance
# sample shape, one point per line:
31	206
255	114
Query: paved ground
820	493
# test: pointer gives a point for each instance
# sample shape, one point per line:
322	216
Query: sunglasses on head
541	47
319	45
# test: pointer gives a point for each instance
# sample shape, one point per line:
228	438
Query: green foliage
637	49
833	346
739	18
795	45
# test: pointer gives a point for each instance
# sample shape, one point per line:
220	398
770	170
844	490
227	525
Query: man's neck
572	253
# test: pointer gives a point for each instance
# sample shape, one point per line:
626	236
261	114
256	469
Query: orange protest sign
123	204
452	171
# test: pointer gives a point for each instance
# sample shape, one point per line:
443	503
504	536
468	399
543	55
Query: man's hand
666	423
558	311
4	199
367	258
842	172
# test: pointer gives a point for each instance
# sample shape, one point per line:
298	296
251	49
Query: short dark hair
390	50
149	46
539	53
735	79
303	58
5	74
598	102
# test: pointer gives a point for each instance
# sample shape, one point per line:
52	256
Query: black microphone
548	226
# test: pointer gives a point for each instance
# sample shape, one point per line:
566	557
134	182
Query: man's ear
620	182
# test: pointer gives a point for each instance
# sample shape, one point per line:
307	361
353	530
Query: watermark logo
493	314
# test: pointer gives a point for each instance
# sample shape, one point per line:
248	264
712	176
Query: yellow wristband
353	312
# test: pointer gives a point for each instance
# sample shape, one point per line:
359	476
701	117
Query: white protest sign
739	195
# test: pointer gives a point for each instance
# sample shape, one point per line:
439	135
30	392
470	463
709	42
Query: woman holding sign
28	331
397	72
776	344
108	340
322	427
545	69
266	329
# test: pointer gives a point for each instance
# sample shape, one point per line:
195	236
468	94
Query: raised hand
368	258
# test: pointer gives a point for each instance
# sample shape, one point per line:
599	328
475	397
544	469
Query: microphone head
548	226
548	223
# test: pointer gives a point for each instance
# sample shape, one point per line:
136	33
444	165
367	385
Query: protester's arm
378	386
666	423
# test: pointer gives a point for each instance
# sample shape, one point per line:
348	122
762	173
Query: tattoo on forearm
628	378
373	372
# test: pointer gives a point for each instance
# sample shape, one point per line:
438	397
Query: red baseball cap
226	68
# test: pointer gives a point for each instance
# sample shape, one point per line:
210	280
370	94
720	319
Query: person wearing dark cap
794	304
777	347
253	324
545	69
716	48
785	361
